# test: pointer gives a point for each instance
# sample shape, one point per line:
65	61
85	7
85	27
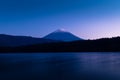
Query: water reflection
60	66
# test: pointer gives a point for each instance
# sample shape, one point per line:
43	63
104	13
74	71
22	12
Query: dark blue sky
88	19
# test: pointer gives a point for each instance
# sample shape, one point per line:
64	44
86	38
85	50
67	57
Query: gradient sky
88	19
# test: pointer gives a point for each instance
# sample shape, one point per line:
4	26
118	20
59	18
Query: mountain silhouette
62	35
9	40
98	45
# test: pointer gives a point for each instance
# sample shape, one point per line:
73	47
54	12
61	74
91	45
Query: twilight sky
88	19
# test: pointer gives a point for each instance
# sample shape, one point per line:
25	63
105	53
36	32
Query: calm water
60	66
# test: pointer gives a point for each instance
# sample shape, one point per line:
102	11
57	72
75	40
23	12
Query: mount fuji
62	35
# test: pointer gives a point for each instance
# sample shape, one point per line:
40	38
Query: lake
60	66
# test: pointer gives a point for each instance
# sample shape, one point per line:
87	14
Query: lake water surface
60	66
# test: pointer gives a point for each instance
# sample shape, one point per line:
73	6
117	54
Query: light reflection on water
60	66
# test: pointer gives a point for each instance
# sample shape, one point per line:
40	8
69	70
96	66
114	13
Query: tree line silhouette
99	45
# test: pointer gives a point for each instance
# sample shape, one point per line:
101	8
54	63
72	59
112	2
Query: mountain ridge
10	40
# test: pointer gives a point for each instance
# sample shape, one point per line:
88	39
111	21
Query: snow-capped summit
62	35
60	30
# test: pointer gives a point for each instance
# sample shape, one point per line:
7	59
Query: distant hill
100	45
28	44
9	40
62	35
